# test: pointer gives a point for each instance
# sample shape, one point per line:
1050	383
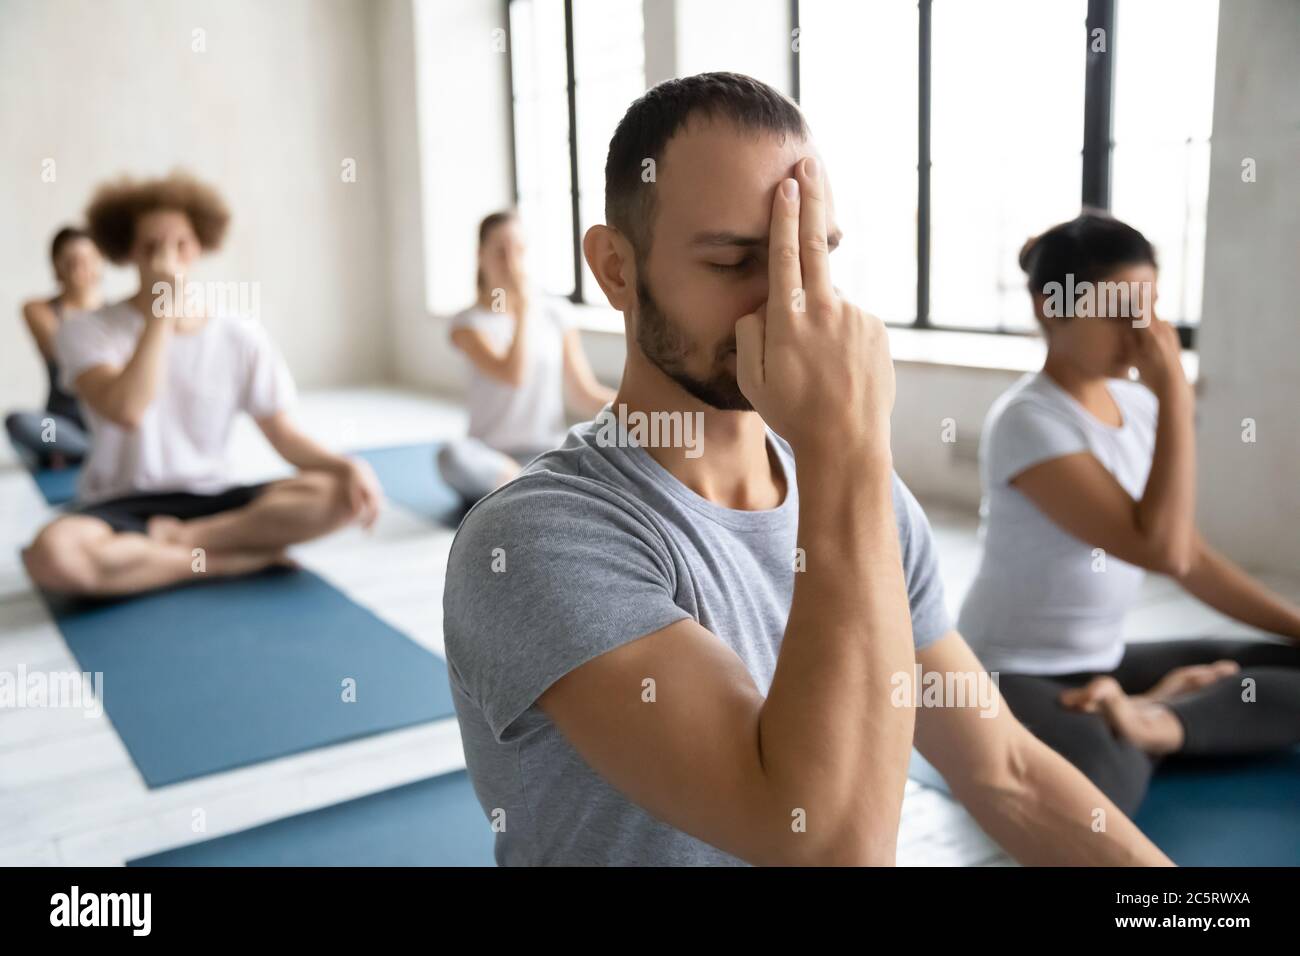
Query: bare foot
1148	725
1182	680
1088	698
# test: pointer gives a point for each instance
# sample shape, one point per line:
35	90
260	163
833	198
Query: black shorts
133	512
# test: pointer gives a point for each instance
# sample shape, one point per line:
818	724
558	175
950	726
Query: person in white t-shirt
1089	482
162	380
526	360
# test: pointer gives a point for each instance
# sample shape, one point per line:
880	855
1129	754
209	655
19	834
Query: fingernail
810	167
791	189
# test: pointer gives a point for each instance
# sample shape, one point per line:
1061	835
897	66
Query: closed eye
733	267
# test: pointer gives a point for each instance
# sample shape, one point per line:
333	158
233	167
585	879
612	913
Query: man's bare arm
1037	805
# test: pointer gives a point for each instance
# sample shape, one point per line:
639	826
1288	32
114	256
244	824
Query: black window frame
1098	144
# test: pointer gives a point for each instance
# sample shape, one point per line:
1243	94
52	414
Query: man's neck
733	467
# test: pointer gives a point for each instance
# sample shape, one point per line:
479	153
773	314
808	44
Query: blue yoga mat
435	822
409	476
227	673
57	487
1243	812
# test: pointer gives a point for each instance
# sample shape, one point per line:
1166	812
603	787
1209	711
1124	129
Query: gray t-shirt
592	547
1043	601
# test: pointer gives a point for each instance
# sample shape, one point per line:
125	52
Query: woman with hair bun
1090	482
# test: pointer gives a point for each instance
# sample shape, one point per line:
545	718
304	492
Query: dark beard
662	342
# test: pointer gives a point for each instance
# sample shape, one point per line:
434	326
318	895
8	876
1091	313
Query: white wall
284	92
1249	494
445	51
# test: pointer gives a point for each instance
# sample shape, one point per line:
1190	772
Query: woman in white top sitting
526	360
56	437
1089	482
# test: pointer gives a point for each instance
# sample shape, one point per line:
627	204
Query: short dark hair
64	236
652	120
1090	246
117	206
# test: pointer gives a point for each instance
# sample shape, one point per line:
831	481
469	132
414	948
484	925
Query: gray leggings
1216	720
473	468
38	443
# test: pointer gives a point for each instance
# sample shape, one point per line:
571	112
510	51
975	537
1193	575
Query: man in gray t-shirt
710	644
632	550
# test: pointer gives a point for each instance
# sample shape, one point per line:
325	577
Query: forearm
831	739
1230	590
1045	812
299	450
133	390
515	364
1166	514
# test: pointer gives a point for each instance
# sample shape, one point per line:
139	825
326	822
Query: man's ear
613	263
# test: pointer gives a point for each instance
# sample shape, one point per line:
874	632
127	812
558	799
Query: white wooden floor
70	795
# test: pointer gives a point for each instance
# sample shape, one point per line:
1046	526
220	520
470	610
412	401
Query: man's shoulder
556	489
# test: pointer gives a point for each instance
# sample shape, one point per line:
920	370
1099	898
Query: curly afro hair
117	206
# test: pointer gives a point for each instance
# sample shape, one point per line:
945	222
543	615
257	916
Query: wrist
832	452
1175	392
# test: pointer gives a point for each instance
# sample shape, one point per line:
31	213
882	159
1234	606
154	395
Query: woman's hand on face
1157	355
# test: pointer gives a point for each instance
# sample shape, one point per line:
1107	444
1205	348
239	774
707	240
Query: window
954	130
1160	179
575	66
847	50
1003	95
1006	121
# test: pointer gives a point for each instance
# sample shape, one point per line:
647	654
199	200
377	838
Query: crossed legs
1166	697
84	555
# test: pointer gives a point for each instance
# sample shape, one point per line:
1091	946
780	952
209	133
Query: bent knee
330	492
59	560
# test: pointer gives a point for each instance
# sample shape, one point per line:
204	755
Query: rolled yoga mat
223	674
434	822
409	475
